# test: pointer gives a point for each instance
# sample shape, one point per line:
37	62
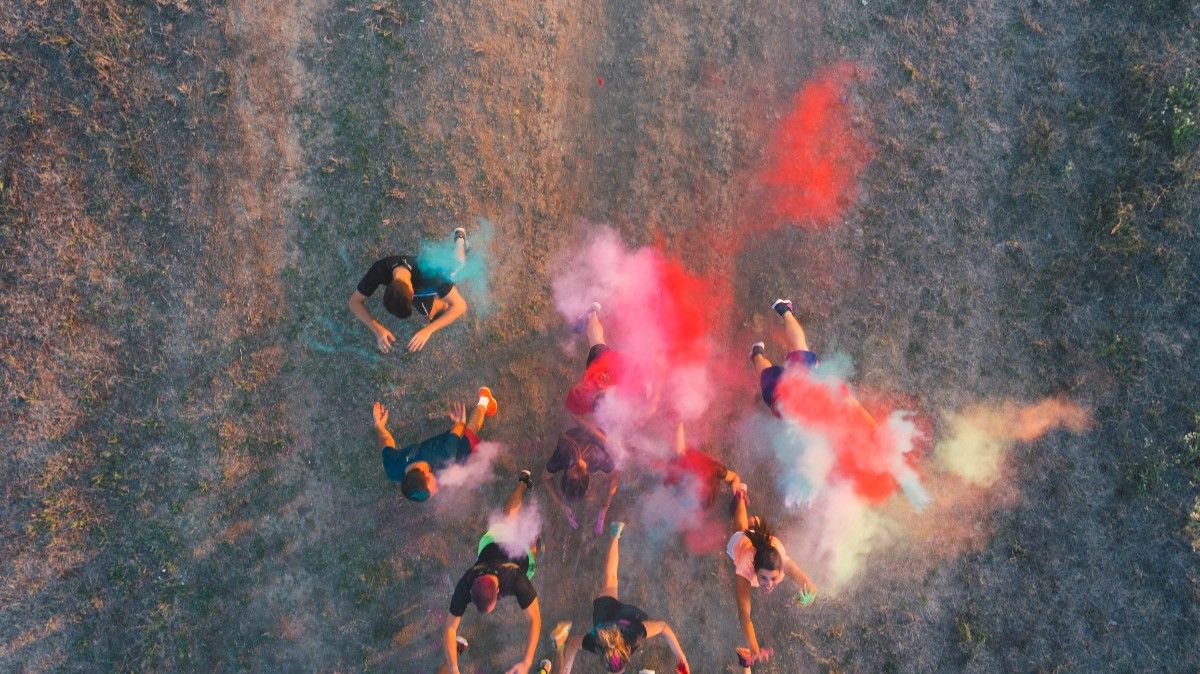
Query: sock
483	401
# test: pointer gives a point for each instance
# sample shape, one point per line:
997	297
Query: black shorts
769	379
595	352
610	609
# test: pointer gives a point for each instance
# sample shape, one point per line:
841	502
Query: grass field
190	189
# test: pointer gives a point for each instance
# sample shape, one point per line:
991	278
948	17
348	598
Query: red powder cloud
816	155
862	456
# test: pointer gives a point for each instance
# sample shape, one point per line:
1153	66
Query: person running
414	466
580	453
759	560
601	374
618	629
697	472
496	574
798	355
409	283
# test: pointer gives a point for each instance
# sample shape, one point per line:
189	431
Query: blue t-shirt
439	451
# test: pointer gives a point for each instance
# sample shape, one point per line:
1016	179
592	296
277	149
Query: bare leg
611	563
513	505
595	331
760	363
475	421
795	333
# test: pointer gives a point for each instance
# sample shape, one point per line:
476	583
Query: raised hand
457	413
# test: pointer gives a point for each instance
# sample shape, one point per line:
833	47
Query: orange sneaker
485	392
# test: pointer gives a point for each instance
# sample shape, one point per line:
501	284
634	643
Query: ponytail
766	556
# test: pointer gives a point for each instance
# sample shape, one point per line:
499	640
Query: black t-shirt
425	282
509	572
578	442
610	613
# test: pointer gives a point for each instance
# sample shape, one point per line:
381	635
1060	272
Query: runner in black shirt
410	284
494	575
617	629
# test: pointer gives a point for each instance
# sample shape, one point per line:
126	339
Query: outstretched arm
450	643
742	590
456	306
656	627
535	629
358	307
614	483
381	432
798	576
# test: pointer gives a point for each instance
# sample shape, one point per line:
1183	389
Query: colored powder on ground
816	154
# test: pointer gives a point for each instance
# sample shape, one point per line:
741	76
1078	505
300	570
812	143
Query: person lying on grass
409	284
496	574
579	454
415	465
618	629
759	560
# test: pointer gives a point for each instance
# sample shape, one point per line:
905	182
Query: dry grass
188	189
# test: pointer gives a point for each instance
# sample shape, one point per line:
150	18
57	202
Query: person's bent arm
535	629
656	627
614	483
731	478
456	307
450	642
742	589
358	307
556	494
566	657
798	576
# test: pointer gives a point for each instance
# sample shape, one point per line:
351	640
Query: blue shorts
769	379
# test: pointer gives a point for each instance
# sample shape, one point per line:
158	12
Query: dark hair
575	482
398	299
415	485
766	556
483	593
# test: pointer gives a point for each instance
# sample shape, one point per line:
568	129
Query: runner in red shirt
603	372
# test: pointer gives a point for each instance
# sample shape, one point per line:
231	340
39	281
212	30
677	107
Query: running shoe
615	529
525	477
757	349
485	392
782	307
